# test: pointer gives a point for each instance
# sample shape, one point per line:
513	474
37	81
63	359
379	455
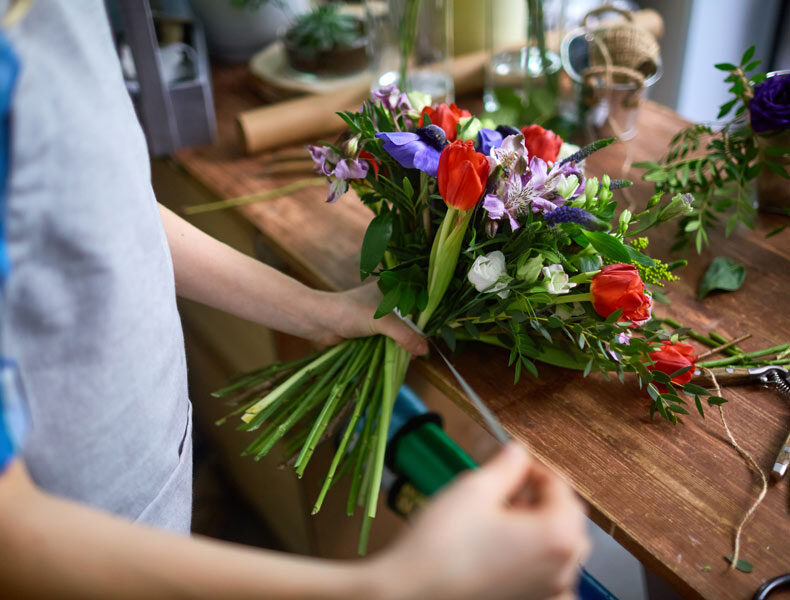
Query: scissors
771	376
781	582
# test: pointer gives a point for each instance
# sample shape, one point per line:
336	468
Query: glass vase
522	74
411	45
773	190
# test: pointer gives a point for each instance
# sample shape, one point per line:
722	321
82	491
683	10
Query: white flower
556	280
566	150
488	274
567	185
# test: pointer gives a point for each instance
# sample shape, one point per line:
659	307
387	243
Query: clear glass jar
523	41
411	45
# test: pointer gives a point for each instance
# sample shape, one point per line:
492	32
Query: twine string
752	464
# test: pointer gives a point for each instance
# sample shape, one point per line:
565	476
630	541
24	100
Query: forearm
54	548
213	273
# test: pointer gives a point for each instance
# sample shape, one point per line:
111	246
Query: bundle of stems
309	398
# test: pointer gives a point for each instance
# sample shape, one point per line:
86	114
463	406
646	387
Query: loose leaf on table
722	274
741	565
377	237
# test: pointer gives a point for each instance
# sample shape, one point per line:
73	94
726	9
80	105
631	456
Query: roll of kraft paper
314	117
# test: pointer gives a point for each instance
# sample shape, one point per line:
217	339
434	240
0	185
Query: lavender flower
574	214
418	150
511	154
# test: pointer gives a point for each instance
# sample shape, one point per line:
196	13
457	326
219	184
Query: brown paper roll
284	123
313	117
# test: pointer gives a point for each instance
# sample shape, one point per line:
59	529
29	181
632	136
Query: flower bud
591	189
468	128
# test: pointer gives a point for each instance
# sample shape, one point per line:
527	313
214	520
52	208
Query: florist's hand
481	539
349	314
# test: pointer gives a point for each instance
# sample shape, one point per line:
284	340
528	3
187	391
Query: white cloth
90	309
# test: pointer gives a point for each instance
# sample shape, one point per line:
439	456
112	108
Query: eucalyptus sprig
717	166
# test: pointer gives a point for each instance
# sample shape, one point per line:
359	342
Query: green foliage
322	29
722	274
717	166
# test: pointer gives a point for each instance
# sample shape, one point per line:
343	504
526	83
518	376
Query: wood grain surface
670	494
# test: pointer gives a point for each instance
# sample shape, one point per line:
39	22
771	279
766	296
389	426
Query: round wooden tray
274	79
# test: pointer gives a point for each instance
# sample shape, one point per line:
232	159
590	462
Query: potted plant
327	41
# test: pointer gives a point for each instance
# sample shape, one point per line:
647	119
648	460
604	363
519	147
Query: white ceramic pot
236	33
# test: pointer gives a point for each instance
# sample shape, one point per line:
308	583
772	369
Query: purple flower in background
419	150
487	139
338	171
769	110
391	98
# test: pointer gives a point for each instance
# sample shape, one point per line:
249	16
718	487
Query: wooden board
670	494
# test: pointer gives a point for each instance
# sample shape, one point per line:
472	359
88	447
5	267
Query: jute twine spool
630	46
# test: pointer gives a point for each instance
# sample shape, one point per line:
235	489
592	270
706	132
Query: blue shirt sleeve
13	409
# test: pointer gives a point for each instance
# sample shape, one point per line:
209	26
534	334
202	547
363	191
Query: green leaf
448	335
608	246
725	108
723	274
661	377
388	303
741	565
680	372
374	245
725	66
747	56
776	231
588	368
698	404
716	401
637	257
693	389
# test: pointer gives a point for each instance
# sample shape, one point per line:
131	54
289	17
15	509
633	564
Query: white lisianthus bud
567	185
556	280
418	100
591	188
488	274
528	269
566	150
468	128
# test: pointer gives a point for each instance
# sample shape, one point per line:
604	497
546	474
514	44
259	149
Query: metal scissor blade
493	424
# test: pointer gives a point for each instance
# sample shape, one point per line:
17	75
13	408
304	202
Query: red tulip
446	117
542	143
619	286
669	358
462	175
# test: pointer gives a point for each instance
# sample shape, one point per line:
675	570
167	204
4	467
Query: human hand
482	539
349	314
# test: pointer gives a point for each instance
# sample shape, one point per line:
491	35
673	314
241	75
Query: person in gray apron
95	491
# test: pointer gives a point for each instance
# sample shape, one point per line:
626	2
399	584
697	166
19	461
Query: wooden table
670	494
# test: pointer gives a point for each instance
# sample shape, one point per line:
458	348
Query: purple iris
418	150
769	110
488	139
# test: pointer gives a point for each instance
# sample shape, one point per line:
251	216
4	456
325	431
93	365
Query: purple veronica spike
411	151
573	214
488	139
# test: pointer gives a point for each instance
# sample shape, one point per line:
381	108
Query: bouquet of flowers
493	235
